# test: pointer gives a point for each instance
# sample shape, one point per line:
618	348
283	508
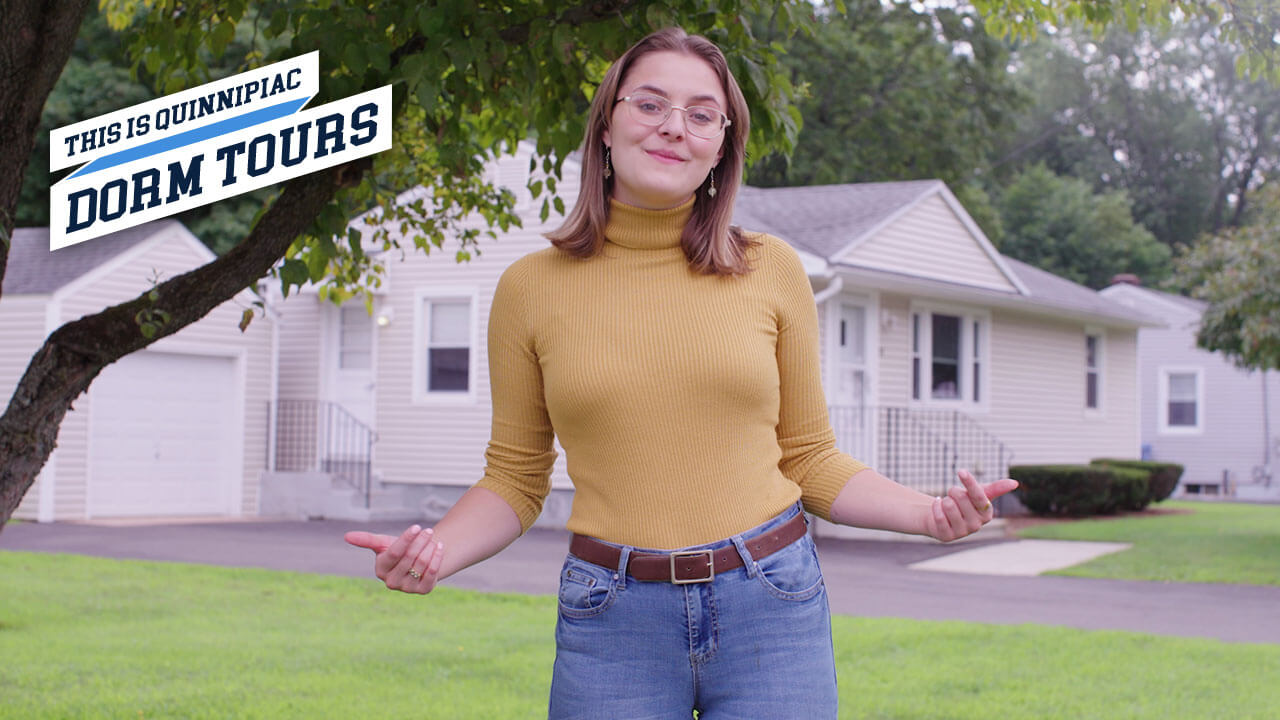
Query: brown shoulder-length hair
712	245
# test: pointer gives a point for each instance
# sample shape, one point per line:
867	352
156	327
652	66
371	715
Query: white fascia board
981	238
940	290
1150	297
814	266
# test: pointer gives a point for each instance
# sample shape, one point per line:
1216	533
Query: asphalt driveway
869	578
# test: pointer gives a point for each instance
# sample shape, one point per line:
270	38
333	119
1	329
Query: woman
675	357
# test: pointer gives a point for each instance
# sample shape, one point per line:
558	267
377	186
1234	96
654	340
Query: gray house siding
1238	413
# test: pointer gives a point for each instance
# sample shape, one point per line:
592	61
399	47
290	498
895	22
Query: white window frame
1100	355
421	332
1162	397
968	316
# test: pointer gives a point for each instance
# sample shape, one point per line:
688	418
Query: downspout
1266	430
275	316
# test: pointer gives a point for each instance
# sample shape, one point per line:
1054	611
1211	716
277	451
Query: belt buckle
711	566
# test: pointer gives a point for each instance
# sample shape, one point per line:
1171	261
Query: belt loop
620	572
747	561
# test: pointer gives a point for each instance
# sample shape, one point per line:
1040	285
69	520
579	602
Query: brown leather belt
688	566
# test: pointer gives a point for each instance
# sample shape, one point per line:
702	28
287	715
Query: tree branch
34	47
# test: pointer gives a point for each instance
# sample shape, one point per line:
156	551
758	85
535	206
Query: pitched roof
825	219
1154	301
33	269
1053	291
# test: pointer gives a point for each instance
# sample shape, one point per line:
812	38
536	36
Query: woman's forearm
871	500
476	528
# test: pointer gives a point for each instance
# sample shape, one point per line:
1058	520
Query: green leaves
885	96
1235	272
472	79
293	273
1250	24
151	321
221	36
1059	224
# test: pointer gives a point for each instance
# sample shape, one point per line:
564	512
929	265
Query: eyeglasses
653	110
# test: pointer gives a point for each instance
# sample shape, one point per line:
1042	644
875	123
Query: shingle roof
1049	289
1192	304
1154	301
824	219
35	270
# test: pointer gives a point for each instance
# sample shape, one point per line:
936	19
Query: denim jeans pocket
792	573
585	589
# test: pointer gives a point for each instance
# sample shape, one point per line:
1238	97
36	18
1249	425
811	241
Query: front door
351	379
851	361
853	414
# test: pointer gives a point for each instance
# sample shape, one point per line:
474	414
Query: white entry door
851	362
163	436
853	414
351	376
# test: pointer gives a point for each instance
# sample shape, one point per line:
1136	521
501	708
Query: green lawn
92	638
1214	542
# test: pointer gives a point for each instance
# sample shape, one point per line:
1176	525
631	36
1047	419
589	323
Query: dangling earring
711	191
608	170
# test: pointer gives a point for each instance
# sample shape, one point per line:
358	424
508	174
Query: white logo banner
206	144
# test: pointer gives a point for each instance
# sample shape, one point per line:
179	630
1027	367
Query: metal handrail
323	436
922	448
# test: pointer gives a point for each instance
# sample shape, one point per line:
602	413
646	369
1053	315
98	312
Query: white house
177	429
938	352
1221	423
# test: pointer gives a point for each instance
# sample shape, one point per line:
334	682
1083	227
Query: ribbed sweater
690	407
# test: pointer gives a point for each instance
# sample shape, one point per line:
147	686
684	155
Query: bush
1163	477
1130	489
1080	490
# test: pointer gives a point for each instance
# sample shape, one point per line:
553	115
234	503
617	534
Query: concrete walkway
1026	558
971	581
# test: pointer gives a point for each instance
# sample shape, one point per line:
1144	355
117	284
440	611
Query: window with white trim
444	346
915	356
1181	400
948	352
944	361
975	355
1092	370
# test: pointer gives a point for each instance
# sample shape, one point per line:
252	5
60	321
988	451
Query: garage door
163	439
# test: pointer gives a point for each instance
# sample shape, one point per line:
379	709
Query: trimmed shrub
1079	490
1163	477
1130	490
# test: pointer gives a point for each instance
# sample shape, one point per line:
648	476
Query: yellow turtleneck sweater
690	407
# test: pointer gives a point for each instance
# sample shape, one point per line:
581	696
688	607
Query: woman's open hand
965	508
409	563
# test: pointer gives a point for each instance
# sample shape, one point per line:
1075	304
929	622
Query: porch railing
322	436
920	448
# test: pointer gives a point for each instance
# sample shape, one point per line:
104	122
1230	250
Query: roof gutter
942	290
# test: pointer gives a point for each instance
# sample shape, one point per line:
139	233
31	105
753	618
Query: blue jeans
753	643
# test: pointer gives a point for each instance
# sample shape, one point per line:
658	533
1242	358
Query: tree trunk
74	354
35	42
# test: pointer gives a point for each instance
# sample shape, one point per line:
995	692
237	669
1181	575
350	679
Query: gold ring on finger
415	574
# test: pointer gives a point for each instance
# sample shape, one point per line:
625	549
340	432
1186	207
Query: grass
1209	542
94	638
